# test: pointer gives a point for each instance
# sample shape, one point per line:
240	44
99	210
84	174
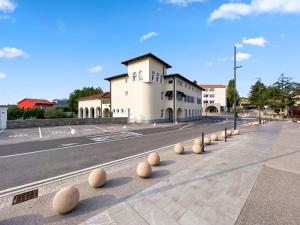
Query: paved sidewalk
225	186
212	191
275	198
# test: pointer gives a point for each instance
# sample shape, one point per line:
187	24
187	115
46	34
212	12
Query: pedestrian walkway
246	180
215	190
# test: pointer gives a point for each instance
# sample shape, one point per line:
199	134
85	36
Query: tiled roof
212	85
96	96
38	101
148	55
183	78
116	76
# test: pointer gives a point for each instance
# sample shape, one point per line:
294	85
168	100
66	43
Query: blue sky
49	48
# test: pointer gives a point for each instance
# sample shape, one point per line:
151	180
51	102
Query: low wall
11	124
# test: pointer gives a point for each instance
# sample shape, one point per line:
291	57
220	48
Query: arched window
140	75
134	76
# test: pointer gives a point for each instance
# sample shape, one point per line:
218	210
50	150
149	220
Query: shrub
51	113
13	112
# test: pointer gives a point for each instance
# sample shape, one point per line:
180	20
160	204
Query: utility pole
206	104
234	83
259	100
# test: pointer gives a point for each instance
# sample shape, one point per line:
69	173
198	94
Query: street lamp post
259	102
206	101
234	83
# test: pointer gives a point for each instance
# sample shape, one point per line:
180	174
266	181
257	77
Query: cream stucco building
214	98
146	94
94	106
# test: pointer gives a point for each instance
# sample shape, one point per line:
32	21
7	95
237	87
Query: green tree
14	112
286	87
79	93
257	95
230	95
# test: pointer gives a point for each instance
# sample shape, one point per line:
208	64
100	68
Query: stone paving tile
189	218
156	216
197	189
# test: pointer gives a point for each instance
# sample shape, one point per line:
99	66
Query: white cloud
9	53
208	64
180	2
95	69
7	6
260	41
2	76
147	36
230	11
242	56
239	45
237	10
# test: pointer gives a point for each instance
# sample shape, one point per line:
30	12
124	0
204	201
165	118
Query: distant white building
146	94
94	106
214	98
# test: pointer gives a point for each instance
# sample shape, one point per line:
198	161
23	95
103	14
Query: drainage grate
25	197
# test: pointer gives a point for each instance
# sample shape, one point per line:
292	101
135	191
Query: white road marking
2	131
17	135
73	131
25	187
69	144
80	145
40	133
99	128
222	122
58	132
114	137
185	126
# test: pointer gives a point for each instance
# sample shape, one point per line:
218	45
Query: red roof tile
38	101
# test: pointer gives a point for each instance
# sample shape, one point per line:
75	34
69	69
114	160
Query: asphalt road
32	161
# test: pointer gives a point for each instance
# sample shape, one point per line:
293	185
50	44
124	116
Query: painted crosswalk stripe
114	136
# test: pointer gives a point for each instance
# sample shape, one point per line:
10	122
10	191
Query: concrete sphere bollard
207	140
153	159
196	149
236	132
144	170
65	199
214	137
223	134
97	178
179	148
197	141
229	133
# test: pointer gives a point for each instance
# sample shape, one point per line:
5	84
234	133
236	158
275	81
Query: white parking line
73	131
69	144
2	131
40	133
99	128
81	145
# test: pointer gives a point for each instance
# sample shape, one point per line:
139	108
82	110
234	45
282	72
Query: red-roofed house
213	98
30	103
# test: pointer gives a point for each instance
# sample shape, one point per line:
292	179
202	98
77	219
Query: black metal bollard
202	143
225	135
